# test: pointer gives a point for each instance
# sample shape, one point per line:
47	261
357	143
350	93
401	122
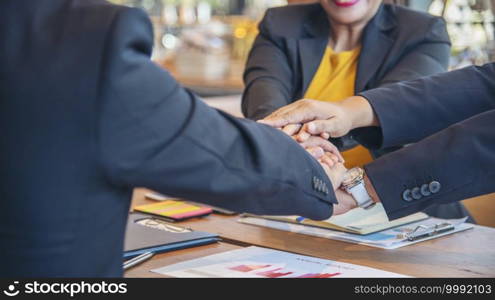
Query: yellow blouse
333	81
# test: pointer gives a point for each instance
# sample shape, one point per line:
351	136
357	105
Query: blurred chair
482	209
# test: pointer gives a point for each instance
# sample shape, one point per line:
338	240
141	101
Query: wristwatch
354	184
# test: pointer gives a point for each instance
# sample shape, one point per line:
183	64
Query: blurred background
204	43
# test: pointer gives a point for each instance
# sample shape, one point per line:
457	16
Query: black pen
138	259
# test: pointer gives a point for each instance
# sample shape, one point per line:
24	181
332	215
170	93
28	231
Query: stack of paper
358	220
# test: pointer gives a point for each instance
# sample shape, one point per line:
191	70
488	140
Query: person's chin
347	18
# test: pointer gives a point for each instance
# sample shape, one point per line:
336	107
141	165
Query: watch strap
361	195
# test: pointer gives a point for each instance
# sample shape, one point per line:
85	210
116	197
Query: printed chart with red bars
278	272
248	268
274	273
318	275
256	262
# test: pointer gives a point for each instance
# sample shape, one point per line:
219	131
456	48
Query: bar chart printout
256	262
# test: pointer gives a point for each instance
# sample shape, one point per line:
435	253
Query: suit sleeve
428	57
153	133
451	165
268	76
412	110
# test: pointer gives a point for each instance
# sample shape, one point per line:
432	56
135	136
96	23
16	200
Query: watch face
352	175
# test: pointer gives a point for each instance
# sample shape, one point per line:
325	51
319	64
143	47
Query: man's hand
335	173
331	154
346	203
323	118
316	146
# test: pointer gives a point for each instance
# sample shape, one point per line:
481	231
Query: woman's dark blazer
398	44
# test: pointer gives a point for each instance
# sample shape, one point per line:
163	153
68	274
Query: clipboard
391	238
422	231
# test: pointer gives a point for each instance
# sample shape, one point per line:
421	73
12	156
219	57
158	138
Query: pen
300	219
138	259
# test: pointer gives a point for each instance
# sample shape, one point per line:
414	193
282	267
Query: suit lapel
375	46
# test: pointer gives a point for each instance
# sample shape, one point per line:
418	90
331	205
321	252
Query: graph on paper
256	262
277	272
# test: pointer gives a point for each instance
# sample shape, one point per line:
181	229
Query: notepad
357	221
174	210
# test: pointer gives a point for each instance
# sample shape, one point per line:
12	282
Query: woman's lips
345	3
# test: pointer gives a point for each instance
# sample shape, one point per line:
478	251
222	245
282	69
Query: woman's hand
334	119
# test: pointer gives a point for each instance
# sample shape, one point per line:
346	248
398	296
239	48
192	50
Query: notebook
357	221
147	233
174	210
160	197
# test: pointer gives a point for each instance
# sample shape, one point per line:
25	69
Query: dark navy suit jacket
85	116
453	117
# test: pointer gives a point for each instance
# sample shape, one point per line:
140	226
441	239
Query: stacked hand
324	151
305	118
312	123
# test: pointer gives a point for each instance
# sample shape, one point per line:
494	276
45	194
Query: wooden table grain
467	254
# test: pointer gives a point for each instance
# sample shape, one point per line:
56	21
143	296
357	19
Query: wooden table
467	254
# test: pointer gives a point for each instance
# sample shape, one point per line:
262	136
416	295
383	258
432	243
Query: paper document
256	262
387	239
358	220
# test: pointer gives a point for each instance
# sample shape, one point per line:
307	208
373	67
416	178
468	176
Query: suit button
406	195
325	189
435	187
416	193
425	191
315	183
